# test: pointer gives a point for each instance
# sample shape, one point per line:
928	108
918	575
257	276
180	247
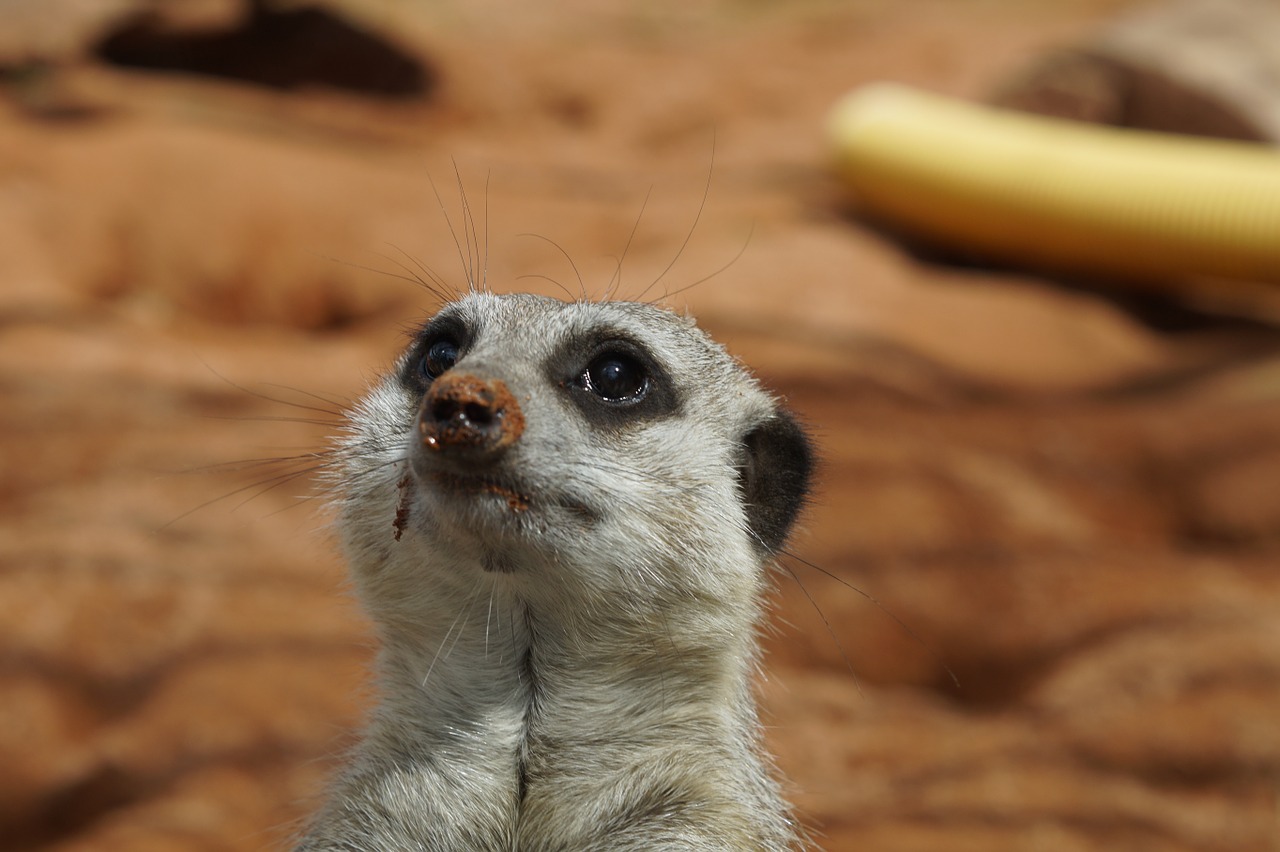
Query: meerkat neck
560	719
499	656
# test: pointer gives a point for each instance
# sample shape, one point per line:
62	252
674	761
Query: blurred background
211	213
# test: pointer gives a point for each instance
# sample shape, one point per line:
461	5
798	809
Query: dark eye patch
614	381
440	344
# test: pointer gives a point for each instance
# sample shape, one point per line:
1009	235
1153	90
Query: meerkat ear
774	477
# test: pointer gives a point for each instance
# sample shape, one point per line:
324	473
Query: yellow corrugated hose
1059	193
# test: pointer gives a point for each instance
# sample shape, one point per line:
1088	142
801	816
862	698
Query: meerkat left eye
439	357
616	377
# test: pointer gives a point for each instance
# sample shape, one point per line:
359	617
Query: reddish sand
1072	505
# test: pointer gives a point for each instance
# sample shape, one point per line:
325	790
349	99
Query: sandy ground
1068	500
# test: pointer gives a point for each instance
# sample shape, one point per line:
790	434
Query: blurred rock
1199	67
44	32
279	45
269	44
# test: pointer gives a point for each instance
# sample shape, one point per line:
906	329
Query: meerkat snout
470	418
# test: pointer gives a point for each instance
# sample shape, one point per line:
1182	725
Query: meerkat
560	517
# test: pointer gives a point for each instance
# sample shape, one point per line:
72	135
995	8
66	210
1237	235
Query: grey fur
592	689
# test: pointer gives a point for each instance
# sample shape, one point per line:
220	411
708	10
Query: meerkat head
593	450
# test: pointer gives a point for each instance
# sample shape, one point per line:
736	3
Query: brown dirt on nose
493	396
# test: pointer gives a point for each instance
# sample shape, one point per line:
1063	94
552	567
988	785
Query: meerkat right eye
613	381
439	357
616	377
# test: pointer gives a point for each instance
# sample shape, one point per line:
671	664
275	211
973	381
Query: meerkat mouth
517	499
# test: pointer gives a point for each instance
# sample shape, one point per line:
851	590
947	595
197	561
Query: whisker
827	624
610	290
471	284
445	292
488	618
473	242
706	193
705	278
581	284
411	278
274	418
672	481
331	399
436	285
440	648
249	464
268	398
484	272
264	486
554	281
880	606
466	610
370	473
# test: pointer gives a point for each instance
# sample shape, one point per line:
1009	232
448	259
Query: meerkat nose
465	415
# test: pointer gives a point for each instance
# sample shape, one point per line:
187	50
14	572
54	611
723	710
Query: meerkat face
536	437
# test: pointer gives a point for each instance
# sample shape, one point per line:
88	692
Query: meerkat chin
560	517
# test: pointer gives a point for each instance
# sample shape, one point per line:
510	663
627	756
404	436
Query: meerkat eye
616	377
439	357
